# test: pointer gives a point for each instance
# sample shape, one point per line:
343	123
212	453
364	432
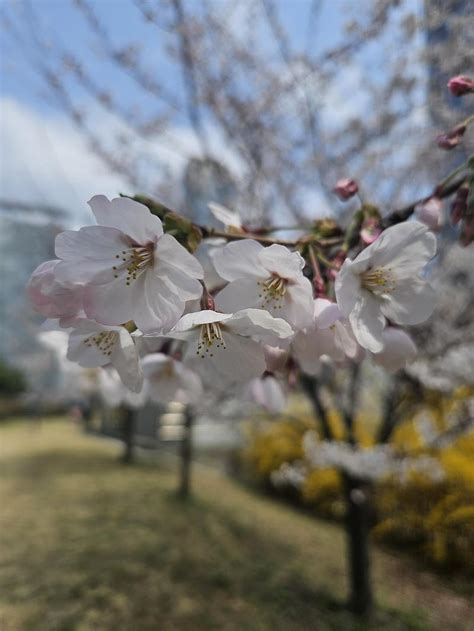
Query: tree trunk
128	433
357	524
186	455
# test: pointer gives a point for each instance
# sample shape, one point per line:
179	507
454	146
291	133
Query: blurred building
24	244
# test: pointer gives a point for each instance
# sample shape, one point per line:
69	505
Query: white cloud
45	160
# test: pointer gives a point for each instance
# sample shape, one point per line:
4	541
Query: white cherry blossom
92	344
398	350
49	296
167	380
329	334
268	278
226	349
383	283
132	271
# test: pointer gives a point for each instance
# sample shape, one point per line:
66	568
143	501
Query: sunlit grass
89	544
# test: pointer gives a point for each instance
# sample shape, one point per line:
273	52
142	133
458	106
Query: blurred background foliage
432	518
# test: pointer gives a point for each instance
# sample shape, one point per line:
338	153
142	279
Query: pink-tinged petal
268	393
240	294
325	313
260	325
399	349
191	320
50	297
298	306
279	260
125	360
132	218
411	302
169	252
368	323
239	260
347	288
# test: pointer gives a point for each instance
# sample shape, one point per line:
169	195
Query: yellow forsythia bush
435	518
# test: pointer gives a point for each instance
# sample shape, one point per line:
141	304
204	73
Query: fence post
128	432
186	454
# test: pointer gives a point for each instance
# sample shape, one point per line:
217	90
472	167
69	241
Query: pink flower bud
460	85
370	230
430	213
50	297
451	139
346	188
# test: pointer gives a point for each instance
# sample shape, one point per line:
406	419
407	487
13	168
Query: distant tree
12	381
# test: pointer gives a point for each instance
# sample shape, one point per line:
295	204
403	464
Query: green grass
88	544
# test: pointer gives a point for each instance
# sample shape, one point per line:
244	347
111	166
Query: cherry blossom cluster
132	297
373	464
245	310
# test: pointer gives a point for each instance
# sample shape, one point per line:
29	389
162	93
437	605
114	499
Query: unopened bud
430	213
460	85
337	262
370	230
467	231
346	188
451	139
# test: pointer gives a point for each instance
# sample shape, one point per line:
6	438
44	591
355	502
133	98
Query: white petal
131	217
241	359
85	355
347	288
411	302
239	260
158	308
240	294
88	254
368	322
171	253
190	320
344	339
260	325
224	215
308	348
125	360
113	302
279	260
398	349
298	305
407	245
325	313
268	393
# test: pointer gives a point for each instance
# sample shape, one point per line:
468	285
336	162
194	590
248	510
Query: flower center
105	341
135	261
211	334
273	291
379	280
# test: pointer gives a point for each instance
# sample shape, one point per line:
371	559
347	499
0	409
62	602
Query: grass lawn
88	544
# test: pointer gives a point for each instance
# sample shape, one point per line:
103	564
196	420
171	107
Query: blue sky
44	158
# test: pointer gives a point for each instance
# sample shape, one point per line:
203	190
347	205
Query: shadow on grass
115	547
